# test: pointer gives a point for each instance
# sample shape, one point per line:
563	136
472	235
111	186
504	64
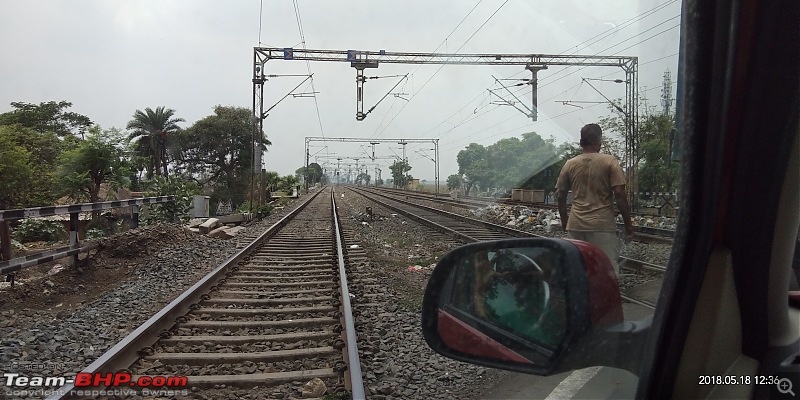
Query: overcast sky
110	58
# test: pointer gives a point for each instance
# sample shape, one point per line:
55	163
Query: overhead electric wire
577	85
527	125
620	27
635	44
588	43
434	51
308	67
551	81
391	107
440	68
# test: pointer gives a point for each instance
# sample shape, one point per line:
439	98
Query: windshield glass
554	118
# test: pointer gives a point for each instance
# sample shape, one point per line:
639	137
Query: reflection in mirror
515	297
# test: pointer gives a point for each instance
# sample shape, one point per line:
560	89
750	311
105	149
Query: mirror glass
515	299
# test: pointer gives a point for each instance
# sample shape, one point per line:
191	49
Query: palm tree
152	129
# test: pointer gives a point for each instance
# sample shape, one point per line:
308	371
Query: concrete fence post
73	236
135	217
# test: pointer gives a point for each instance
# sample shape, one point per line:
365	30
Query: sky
110	58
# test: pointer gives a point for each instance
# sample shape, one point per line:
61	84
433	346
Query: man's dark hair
591	135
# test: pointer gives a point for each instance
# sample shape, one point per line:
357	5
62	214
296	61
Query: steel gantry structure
373	142
534	63
356	159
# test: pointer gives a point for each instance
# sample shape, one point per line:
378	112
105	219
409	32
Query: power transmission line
528	126
587	43
308	65
434	51
440	68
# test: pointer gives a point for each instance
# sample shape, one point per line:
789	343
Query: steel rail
425	221
644	303
461	218
639	264
474	200
356	379
123	354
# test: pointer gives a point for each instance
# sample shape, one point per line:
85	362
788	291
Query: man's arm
562	208
622	203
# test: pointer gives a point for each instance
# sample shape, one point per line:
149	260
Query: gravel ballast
149	267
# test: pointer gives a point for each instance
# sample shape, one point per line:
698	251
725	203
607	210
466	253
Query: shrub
258	211
94	233
174	211
34	230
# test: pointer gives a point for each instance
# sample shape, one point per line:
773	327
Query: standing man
593	179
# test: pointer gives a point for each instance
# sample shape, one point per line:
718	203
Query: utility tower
666	93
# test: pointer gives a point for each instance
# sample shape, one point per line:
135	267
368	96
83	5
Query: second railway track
470	229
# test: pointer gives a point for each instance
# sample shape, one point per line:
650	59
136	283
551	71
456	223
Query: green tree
658	173
153	131
655	170
16	172
43	150
454	182
220	148
363	178
530	162
314	174
472	165
97	160
273	179
400	174
287	183
48	116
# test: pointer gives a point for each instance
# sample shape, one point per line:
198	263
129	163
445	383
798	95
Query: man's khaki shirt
591	176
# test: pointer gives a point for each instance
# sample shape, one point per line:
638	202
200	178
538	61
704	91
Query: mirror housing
535	305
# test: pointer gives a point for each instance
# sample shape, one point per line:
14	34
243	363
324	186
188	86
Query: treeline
531	162
48	152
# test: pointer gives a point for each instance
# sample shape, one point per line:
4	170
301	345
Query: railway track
472	230
274	315
465	228
644	234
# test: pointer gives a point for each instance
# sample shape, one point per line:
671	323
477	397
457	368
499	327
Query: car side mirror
535	305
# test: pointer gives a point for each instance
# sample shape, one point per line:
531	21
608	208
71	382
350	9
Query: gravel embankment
154	265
